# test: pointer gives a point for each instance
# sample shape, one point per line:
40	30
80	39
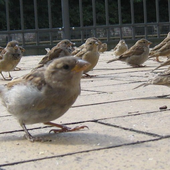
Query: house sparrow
163	51
120	48
161	79
62	49
136	55
44	94
82	47
90	54
10	56
103	47
159	46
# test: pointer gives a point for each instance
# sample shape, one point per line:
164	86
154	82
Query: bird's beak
149	43
81	65
16	47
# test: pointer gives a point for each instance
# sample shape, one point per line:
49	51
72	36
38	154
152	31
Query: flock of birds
52	87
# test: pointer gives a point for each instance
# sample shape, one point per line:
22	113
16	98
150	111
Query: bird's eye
66	66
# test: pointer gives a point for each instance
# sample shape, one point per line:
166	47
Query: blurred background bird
10	56
62	49
136	55
120	48
158	47
90	54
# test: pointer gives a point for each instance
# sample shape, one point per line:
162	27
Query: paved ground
127	130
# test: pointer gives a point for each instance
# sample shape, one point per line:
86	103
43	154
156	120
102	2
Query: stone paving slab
127	130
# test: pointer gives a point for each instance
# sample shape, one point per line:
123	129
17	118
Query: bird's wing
134	50
36	78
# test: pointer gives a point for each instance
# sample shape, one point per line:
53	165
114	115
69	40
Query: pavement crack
78	152
130	129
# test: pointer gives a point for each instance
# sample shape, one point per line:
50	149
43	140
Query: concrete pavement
127	130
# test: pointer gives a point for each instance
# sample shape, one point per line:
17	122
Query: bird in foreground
10	57
159	46
136	55
120	48
90	54
62	49
103	48
160	79
45	94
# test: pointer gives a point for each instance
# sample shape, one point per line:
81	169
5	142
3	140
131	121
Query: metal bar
22	21
132	18
145	18
36	22
7	19
81	19
107	19
50	20
157	18
65	18
120	17
94	15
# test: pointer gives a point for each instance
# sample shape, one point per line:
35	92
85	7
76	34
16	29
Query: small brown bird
163	51
136	55
162	65
45	94
90	54
78	49
62	49
161	79
103	48
120	48
10	57
159	46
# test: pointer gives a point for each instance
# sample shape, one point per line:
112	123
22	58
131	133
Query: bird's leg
4	77
64	128
9	75
29	136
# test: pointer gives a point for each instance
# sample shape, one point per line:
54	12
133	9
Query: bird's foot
17	69
35	139
88	76
64	128
136	66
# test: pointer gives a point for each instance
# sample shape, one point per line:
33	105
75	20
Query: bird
80	48
45	94
159	46
163	51
160	79
136	55
62	49
10	56
103	48
90	54
120	48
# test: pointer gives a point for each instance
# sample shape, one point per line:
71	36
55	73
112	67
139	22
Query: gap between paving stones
79	152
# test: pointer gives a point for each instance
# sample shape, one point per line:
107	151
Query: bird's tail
161	65
115	59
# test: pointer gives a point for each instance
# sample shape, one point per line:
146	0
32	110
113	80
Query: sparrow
136	55
120	48
163	51
80	48
103	48
90	54
159	46
10	56
160	79
62	49
44	94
